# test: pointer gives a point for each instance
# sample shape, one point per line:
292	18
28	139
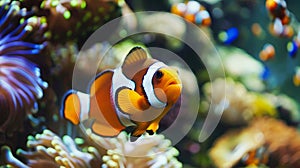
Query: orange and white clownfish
137	94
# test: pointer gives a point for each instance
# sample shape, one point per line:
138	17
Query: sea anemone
147	151
16	27
20	82
50	150
20	87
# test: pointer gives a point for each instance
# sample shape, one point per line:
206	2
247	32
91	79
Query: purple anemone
21	36
16	27
20	87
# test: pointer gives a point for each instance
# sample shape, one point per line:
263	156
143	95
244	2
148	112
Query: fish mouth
172	82
174	87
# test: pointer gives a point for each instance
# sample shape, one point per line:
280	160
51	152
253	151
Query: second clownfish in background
137	94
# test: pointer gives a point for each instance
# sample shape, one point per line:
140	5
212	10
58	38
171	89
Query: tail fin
71	107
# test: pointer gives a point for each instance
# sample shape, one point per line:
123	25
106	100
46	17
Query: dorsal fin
135	61
136	55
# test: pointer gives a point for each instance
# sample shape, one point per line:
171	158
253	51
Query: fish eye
158	74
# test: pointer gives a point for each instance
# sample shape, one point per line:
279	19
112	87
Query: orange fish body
137	94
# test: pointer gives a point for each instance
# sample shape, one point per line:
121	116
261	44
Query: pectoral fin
131	102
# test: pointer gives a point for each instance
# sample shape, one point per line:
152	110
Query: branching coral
282	143
147	151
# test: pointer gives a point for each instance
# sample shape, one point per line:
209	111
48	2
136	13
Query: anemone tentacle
21	35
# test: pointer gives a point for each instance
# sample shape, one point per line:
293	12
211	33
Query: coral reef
248	74
241	105
43	53
68	19
229	149
281	141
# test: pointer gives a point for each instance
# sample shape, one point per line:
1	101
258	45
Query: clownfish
137	94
